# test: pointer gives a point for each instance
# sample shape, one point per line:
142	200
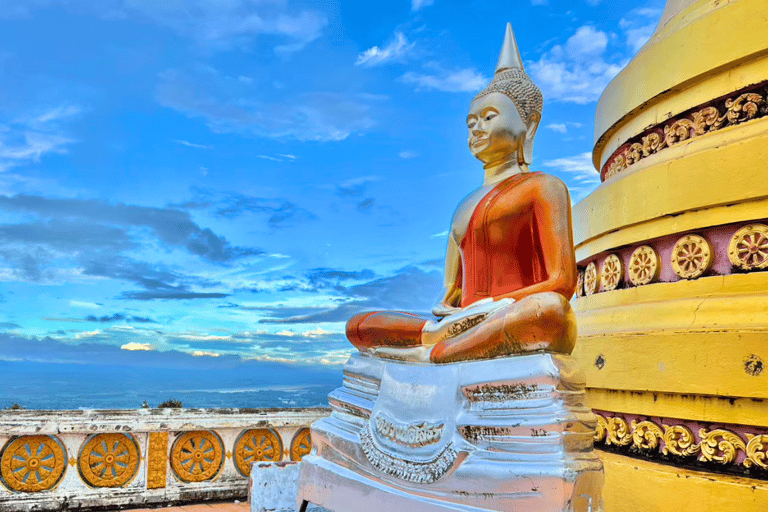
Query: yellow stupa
672	251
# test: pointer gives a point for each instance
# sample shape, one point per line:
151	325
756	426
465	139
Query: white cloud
57	113
395	50
211	23
459	80
638	27
26	140
192	145
203	337
205	353
557	127
417	5
83	304
563	127
267	157
137	346
576	72
578	173
408	154
317	116
315	333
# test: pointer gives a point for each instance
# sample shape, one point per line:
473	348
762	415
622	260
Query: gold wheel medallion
301	444
691	257
748	249
611	273
109	460
257	445
591	279
197	456
580	284
643	265
33	463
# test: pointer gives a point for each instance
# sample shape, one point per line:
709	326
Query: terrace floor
202	507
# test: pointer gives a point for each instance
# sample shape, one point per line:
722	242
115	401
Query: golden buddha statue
510	268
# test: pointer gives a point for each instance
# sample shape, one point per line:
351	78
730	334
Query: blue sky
233	179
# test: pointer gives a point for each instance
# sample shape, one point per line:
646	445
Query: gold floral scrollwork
611	273
619	432
643	265
678	131
109	460
591	278
743	108
261	444
748	248
679	440
646	435
707	119
757	449
633	153
720	445
580	284
619	164
301	444
197	456
33	463
652	143
601	430
157	460
691	256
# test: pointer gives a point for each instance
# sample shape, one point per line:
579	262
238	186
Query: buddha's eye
490	116
471	124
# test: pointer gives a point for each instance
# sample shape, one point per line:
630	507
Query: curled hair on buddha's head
512	81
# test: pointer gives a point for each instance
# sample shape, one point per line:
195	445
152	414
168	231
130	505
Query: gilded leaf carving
720	445
706	119
679	440
646	435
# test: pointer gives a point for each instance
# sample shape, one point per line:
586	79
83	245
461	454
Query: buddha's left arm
551	205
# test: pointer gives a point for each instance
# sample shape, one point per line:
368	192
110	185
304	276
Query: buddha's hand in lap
462	320
419	354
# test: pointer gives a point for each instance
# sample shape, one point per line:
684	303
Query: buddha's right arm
451	292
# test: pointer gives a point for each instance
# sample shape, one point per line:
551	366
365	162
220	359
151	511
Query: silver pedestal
507	434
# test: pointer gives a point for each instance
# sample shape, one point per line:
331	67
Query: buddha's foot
385	329
540	322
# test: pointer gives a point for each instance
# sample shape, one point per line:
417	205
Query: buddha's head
504	116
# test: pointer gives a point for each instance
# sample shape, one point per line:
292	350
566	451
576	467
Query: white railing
53	460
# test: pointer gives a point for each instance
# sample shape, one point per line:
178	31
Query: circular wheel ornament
691	256
257	445
643	265
109	460
748	249
33	463
591	279
197	456
580	284
611	273
301	444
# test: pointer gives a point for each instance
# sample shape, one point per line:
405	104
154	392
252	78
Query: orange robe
515	241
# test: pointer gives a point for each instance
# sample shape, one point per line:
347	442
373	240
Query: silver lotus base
507	434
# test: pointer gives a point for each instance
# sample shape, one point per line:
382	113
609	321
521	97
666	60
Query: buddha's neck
498	172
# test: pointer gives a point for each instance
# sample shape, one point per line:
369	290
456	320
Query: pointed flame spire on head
510	55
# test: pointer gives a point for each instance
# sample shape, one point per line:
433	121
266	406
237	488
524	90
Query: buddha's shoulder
542	181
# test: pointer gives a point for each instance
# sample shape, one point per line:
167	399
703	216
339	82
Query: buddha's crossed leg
542	321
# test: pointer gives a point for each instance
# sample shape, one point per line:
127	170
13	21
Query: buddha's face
496	130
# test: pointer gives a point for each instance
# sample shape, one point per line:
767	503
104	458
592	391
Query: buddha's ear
530	134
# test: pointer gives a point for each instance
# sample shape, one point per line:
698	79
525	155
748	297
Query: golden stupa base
635	484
